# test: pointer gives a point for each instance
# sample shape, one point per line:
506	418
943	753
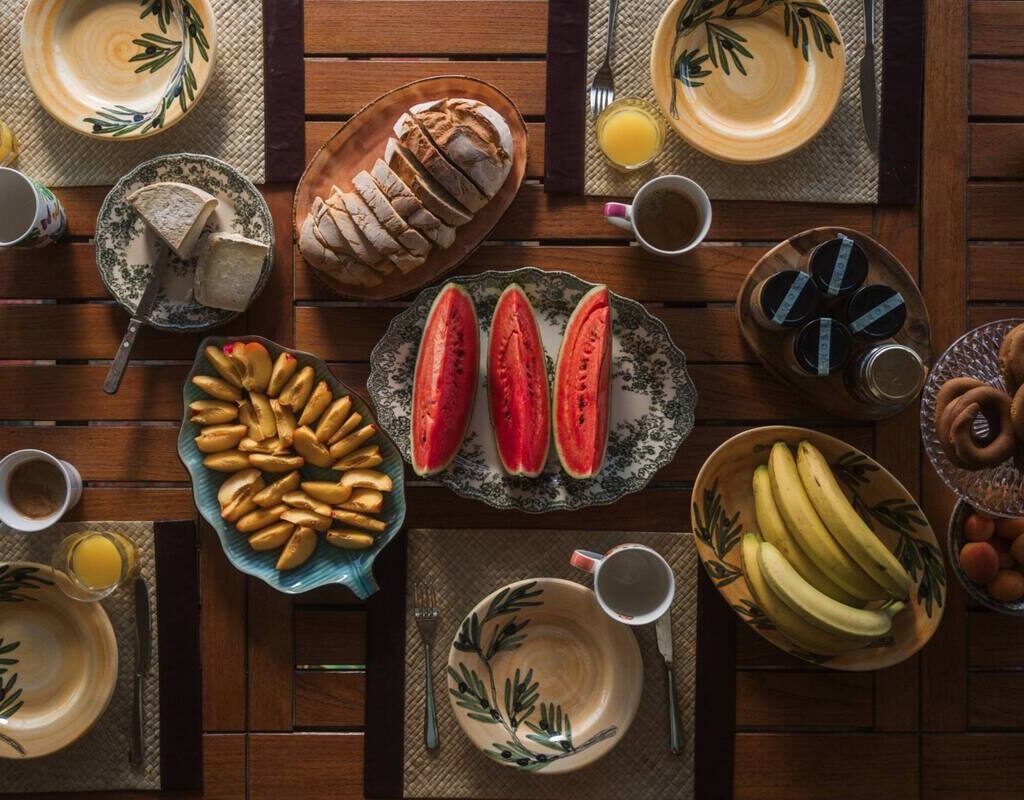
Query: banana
774	530
816	607
787	622
810	532
846	525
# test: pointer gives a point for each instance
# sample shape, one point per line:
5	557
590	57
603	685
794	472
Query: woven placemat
227	122
464	566
99	760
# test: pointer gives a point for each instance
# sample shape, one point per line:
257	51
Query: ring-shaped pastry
956	429
1017	413
1011	359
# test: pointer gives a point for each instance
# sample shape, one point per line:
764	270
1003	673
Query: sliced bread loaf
383	241
433	195
341	268
176	212
361	246
410	208
413	137
407	236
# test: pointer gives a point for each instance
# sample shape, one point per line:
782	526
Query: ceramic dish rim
210	25
954	541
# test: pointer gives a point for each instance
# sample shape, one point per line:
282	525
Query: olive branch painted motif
720	532
804	22
157	51
521	697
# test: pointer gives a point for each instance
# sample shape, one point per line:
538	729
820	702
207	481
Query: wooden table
282	679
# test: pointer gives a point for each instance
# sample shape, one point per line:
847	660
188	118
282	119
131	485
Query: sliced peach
227	461
367	478
349	539
349	425
275	492
247	417
332	419
285	421
260	518
327	491
224	366
303	500
275	463
265	446
236	494
318	401
283	370
308	519
343	447
272	537
298	550
214	438
260	367
359	520
364	457
306	445
263	415
366	501
217	387
298	389
212	412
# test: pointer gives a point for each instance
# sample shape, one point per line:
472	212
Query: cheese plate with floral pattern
652	396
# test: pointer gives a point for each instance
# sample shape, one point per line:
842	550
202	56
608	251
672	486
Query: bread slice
364	219
433	195
342	268
412	136
410	238
228	270
473	136
410	208
361	247
327	230
176	212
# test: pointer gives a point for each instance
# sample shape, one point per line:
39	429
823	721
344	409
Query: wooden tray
361	141
831	393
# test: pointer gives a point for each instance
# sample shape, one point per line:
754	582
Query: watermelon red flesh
582	379
444	384
517	384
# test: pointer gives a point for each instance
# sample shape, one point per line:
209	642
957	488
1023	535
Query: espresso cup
30	214
11	516
633	217
633	584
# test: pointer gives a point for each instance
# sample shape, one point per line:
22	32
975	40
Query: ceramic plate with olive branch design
652	395
120	69
723	510
58	662
748	81
541	679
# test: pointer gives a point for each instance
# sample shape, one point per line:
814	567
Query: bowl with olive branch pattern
723	510
541	679
118	69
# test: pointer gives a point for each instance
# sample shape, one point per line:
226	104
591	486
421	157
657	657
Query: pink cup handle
620	210
585	560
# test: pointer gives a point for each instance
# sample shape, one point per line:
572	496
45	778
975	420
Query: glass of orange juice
630	133
96	562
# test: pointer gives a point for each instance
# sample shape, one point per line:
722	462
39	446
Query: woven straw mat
836	167
227	122
99	760
464	567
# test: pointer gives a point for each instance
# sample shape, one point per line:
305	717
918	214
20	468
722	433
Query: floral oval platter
58	662
119	69
541	679
723	510
750	81
126	247
652	396
328	565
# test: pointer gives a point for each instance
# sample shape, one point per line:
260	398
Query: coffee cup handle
586	560
620	215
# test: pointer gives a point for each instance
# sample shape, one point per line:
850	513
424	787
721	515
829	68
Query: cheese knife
139	318
143	655
663	628
868	87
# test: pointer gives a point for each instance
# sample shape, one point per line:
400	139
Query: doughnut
956	424
1011	359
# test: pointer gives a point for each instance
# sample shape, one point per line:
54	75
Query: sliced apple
308	519
212	412
217	387
298	549
306	445
272	537
328	492
275	463
275	492
364	457
359	520
224	366
298	389
303	500
332	419
348	539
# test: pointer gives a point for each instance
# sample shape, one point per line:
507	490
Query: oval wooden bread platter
362	140
831	393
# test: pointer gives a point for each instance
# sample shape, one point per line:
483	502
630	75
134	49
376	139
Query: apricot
978	528
1007	586
980	561
1002	548
1017	549
1009	529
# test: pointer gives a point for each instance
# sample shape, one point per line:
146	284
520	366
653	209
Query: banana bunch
819	563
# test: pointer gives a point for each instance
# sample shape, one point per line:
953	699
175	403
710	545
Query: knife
138	319
868	87
663	627
143	654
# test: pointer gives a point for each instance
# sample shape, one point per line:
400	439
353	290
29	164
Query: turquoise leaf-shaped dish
328	565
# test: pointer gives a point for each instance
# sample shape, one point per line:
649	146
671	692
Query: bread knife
663	628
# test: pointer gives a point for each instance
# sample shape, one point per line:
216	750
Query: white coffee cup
633	584
30	214
625	215
11	516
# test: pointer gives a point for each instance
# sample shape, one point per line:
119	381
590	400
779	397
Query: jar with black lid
784	300
819	348
838	267
876	312
888	374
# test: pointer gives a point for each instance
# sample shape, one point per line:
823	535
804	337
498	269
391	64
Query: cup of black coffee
669	216
36	489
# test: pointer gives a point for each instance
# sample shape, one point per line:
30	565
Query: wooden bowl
750	86
723	510
118	70
361	141
541	679
58	662
831	393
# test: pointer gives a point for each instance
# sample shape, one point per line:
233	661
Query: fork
426	612
602	90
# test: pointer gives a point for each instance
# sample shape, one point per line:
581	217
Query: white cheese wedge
176	212
228	271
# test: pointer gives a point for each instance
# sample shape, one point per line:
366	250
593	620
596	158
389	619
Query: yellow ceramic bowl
58	662
115	69
750	84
